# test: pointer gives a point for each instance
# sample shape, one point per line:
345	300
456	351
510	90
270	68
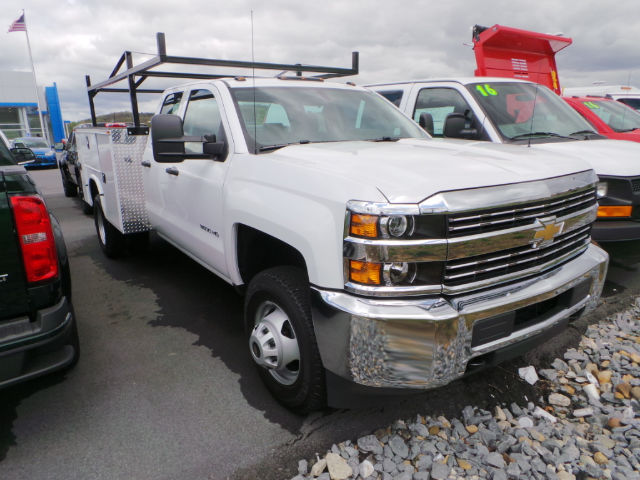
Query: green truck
38	332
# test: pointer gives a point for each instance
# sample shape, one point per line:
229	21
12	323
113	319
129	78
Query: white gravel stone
525	422
583	412
338	467
366	469
559	400
542	413
319	467
528	374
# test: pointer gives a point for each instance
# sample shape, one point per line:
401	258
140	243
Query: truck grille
635	185
482	267
484	221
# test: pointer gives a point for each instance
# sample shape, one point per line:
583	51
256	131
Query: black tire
287	288
86	208
111	241
138	242
70	188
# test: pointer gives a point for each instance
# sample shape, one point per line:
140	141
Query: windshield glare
276	116
619	117
518	109
31	142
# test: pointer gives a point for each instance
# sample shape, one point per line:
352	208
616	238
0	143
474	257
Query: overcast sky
397	40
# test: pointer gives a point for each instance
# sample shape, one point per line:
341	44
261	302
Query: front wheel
111	240
282	341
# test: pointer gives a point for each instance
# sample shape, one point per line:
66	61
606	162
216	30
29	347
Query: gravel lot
584	422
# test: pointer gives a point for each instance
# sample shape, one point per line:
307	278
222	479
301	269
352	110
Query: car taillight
36	238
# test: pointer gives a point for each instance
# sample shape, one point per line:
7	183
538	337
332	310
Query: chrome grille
506	262
482	221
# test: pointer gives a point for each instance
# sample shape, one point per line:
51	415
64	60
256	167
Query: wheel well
257	251
93	189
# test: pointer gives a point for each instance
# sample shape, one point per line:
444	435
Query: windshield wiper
537	134
384	139
270	148
584	132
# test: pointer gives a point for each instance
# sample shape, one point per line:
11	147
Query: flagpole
45	132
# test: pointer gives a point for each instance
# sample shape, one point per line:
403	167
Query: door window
202	118
171	103
440	102
394	96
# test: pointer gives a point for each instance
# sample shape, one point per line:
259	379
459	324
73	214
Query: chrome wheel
273	343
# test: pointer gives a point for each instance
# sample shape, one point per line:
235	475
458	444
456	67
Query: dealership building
19	107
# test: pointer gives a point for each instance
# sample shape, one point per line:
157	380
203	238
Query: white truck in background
523	112
373	259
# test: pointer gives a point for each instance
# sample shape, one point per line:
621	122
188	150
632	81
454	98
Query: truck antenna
253	79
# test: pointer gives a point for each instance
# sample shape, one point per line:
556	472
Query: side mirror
166	138
456	125
426	122
23	155
214	149
168	141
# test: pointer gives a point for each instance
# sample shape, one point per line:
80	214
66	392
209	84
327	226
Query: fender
309	215
86	187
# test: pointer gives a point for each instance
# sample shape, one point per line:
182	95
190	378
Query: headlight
396	226
381	226
399	273
601	189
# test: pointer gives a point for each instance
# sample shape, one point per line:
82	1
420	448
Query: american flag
19	25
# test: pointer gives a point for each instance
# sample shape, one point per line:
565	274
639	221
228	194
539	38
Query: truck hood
607	157
410	170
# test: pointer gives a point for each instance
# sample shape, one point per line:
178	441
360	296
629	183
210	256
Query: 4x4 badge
546	234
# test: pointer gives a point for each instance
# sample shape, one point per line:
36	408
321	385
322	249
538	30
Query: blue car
45	154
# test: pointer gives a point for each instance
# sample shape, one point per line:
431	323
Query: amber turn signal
615	211
365	272
364	225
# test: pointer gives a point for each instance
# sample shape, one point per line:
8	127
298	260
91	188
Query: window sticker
591	105
486	90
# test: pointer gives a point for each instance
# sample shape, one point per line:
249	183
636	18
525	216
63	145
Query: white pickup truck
504	110
372	258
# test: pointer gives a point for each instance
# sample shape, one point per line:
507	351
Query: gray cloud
396	40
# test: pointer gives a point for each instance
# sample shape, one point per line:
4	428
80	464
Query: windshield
31	142
632	102
618	116
521	109
277	116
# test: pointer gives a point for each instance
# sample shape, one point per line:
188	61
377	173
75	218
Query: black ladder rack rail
135	75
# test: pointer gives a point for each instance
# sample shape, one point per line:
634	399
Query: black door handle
172	171
145	164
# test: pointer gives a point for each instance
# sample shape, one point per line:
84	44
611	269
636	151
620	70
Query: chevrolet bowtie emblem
546	234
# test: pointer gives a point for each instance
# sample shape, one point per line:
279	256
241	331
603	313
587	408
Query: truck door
192	195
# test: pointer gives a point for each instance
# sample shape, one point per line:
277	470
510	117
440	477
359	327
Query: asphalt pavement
165	388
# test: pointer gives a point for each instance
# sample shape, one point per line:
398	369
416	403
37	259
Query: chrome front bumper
425	343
